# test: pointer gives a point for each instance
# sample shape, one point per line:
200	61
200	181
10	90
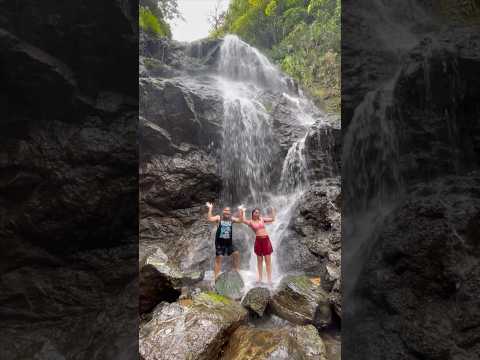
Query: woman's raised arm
270	219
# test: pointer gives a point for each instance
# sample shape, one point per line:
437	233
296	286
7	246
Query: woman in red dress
263	246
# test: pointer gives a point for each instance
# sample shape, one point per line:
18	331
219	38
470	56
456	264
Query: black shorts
222	250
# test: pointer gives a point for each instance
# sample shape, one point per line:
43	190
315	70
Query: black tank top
224	233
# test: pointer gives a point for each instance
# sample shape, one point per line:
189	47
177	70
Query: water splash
247	156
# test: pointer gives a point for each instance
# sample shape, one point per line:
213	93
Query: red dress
263	246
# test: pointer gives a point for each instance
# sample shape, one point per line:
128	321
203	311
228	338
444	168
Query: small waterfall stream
246	155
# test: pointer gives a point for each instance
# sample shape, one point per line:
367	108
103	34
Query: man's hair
227	207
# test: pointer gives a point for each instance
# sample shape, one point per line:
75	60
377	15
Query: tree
217	17
302	36
154	16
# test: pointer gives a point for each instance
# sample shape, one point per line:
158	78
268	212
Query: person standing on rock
223	238
263	247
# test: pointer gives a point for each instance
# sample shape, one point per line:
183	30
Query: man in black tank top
223	238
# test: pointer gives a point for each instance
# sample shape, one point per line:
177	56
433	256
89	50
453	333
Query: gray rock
196	330
230	284
423	264
313	242
300	301
160	280
323	150
284	343
257	300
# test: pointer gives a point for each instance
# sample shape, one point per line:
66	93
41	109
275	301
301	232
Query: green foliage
302	36
152	24
154	14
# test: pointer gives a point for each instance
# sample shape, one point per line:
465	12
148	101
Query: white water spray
247	157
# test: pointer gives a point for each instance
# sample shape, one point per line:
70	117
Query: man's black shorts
222	250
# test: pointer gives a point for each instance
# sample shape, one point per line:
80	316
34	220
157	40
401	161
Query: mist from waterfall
246	156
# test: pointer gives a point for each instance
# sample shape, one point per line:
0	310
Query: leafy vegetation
154	16
302	36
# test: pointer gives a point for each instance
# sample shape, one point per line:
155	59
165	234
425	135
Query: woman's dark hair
255	210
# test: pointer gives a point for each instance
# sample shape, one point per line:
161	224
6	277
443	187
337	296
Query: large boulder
422	264
286	343
160	280
230	284
187	108
193	331
301	301
257	300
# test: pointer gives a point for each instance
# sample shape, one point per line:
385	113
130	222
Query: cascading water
372	182
246	155
294	171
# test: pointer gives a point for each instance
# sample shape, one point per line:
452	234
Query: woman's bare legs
268	264
259	268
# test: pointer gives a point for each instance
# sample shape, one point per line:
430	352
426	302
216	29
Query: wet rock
335	297
333	344
187	108
162	281
285	343
313	242
300	301
195	331
323	150
230	284
423	264
183	181
257	300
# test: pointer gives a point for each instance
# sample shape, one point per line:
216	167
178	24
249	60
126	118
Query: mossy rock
196	330
257	300
285	343
230	284
302	301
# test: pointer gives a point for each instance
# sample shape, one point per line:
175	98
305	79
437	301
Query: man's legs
236	261
218	266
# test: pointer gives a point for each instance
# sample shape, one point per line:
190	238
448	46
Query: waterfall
247	154
294	170
371	151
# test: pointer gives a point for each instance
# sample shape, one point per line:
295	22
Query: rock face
162	281
415	147
323	150
230	284
257	300
288	343
377	34
194	331
313	241
424	264
69	165
300	301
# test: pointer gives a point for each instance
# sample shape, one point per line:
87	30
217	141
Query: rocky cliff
410	188
68	183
